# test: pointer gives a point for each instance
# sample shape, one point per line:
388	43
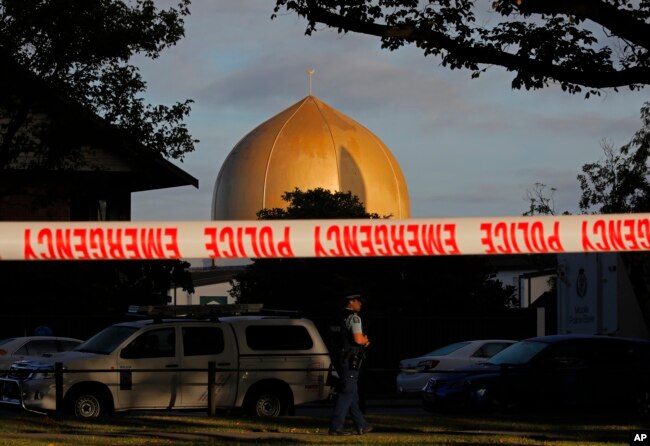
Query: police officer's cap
354	296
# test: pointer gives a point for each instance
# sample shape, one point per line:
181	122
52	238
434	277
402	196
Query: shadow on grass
538	427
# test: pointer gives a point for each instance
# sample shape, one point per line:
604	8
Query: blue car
587	372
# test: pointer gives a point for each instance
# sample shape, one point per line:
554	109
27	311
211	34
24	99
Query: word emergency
101	244
385	240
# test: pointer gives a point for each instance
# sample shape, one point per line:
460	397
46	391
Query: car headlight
430	385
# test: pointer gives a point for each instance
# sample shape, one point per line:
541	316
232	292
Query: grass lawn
159	428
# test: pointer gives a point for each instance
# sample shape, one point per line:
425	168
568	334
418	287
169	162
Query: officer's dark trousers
347	401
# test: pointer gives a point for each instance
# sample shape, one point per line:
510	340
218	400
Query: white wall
595	296
531	288
185	298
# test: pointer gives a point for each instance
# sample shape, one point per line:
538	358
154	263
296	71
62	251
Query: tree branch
619	22
428	38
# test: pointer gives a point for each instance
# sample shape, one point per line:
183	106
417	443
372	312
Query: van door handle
171	366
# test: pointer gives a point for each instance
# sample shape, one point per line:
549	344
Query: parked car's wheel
267	403
88	403
484	400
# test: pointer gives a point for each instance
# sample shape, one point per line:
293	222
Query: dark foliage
619	182
591	44
81	50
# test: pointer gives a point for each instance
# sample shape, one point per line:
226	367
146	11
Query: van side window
151	344
278	337
198	341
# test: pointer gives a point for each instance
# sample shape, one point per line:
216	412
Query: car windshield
107	340
447	349
519	353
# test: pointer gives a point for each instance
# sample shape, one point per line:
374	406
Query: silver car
32	347
415	372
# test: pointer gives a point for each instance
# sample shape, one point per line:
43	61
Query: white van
265	364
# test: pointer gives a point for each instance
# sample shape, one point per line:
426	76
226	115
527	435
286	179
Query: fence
507	387
11	391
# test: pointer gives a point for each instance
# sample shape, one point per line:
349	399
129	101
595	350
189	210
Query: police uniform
349	364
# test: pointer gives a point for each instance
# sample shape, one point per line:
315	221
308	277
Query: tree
541	201
317	203
619	182
81	50
592	44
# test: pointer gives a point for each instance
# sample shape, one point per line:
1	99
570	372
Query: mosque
306	146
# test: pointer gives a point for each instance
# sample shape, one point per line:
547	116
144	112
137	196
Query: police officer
352	355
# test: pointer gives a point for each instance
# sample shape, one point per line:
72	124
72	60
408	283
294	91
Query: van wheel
88	404
266	403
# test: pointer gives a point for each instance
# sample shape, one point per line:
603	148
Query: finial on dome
310	73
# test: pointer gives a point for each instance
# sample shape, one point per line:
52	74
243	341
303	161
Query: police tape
323	238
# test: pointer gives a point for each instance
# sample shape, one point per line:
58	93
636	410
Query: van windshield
107	340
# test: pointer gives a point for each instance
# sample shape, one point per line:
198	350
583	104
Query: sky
467	147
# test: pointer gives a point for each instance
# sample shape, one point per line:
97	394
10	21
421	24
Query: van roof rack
293	314
193	311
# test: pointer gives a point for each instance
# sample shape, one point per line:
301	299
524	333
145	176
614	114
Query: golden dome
308	145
